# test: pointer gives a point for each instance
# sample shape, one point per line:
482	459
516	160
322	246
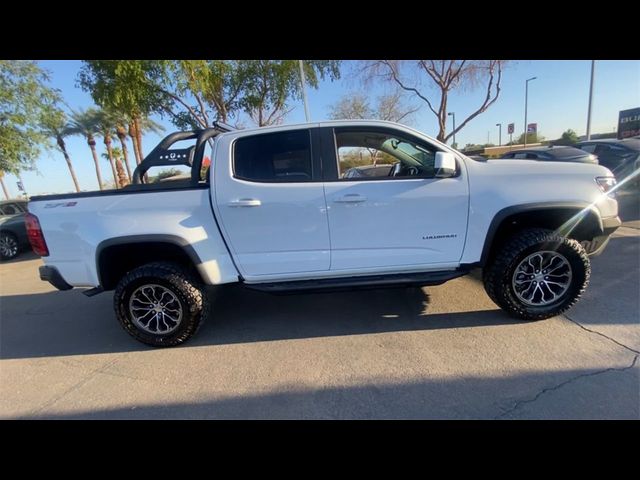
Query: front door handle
245	202
351	198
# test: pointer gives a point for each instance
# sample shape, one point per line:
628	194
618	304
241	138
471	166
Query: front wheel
160	304
537	274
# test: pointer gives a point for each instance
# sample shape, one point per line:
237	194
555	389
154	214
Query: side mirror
445	165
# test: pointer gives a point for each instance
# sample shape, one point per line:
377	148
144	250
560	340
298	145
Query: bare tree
446	76
352	106
391	107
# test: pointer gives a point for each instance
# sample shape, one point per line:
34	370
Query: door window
274	157
381	155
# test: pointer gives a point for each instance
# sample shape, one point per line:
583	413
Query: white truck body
277	211
268	232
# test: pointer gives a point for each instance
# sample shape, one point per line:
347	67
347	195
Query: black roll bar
192	157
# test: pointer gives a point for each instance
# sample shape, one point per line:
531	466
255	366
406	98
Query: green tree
531	138
569	137
471	147
271	84
162	174
195	93
199	92
86	123
128	88
56	125
25	100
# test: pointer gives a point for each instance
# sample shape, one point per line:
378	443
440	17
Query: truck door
386	207
269	199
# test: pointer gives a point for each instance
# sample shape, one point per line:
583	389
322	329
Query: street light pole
499	125
593	67
526	101
453	114
304	92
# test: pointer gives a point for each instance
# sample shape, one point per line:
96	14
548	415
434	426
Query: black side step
364	282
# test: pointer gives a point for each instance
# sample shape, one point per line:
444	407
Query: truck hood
498	184
509	166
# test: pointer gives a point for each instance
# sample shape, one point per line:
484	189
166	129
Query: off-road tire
498	274
190	293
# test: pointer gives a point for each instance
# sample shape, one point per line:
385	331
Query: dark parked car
13	233
368	171
622	157
552	154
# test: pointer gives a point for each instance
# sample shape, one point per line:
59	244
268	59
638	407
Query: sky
558	100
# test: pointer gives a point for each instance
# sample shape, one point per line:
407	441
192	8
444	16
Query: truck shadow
244	315
68	323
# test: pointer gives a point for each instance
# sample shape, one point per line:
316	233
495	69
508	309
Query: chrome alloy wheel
542	278
8	246
155	309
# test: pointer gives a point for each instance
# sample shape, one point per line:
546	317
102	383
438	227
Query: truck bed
77	225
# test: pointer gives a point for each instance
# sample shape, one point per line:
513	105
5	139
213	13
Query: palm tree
122	176
57	126
85	123
121	133
131	130
137	126
122	179
106	124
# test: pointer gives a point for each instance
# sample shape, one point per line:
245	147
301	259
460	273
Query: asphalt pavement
444	352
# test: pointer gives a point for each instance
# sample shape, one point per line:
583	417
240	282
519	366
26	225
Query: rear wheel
160	304
8	246
537	274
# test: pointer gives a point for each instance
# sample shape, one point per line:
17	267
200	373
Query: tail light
34	233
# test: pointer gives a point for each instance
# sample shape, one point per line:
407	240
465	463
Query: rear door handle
351	198
245	202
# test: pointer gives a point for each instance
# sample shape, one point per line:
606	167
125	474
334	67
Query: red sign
510	128
532	128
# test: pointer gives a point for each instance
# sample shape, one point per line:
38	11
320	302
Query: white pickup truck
275	213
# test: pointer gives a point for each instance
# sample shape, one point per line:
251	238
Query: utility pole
499	125
453	114
304	92
593	67
526	101
4	187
